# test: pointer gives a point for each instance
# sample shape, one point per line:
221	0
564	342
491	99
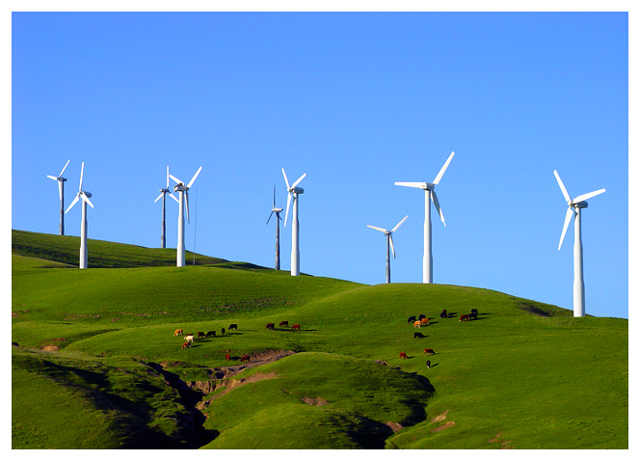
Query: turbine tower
389	233
163	193
294	191
277	211
83	226
575	210
430	194
61	182
184	195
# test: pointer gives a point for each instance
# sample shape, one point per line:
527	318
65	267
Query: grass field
98	344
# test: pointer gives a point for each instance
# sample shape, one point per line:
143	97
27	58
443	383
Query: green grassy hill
94	352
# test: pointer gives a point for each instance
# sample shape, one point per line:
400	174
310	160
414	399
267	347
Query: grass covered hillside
95	363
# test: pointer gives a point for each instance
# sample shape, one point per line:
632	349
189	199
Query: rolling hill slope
523	375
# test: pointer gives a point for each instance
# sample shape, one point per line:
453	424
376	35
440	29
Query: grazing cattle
421	316
233	326
424	321
443	314
178	332
464	317
295	327
417	334
186	344
245	358
227	357
474	311
417	324
200	334
284	323
222	332
210	334
188	338
428	363
270	326
403	355
429	352
411	319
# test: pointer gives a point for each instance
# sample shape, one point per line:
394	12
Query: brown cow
178	332
429	352
227	357
200	334
284	323
186	344
295	327
270	326
464	317
403	355
424	321
417	324
245	358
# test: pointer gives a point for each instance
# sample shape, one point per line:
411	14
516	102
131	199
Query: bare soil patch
440	417
317	402
444	426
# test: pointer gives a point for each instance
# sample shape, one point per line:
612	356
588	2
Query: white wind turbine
163	193
277	211
574	210
184	195
430	195
83	226
389	235
294	192
61	182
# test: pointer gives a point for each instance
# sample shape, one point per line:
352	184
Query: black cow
211	334
233	326
418	335
428	363
421	316
222	332
411	319
443	314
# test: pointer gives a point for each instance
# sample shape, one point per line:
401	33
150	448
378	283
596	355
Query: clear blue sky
356	101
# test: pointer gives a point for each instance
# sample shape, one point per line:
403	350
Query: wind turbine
277	211
430	194
163	193
184	195
83	226
294	192
61	182
574	210
389	233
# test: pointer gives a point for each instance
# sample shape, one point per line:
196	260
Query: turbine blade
86	199
377	228
81	176
178	181
566	225
393	251
288	203
186	199
418	185
581	198
75	200
174	197
167	177
159	197
286	182
562	188
399	224
269	217
443	169
274	196
434	199
65	167
298	181
52	177
194	178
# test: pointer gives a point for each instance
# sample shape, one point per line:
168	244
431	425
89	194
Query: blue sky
355	100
